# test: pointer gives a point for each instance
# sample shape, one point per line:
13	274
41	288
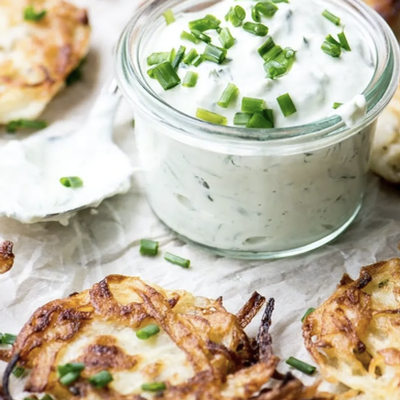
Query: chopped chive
172	258
147	332
12	126
258	121
157	58
329	16
274	69
8	338
148	247
286	104
237	15
267	8
266	47
331	49
172	55
101	380
166	75
150	72
256	29
336	105
301	365
18	372
201	36
307	313
229	94
190	57
268	114
188	36
71	181
70	367
281	65
169	17
178	58
274	53
226	39
31	15
205	24
154	387
251	105
211	117
214	54
190	79
332	40
343	41
280	1
255	15
198	60
241	118
69	378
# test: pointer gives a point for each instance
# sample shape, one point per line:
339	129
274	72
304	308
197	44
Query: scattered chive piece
241	118
268	114
190	79
8	338
343	41
274	69
154	387
169	17
211	117
188	36
226	39
332	40
214	54
198	60
71	181
100	380
178	58
282	63
18	372
150	72
147	332
266	47
12	126
31	15
255	15
157	58
337	105
229	94
70	367
148	247
286	104
166	75
307	313
256	29
267	8
205	24
301	365
333	18
251	105
190	57
69	378
76	74
237	15
172	55
201	36
331	49
258	121
172	258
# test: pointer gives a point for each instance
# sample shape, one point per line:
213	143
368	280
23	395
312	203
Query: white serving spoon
30	169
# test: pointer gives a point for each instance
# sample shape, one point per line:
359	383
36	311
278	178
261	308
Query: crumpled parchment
53	261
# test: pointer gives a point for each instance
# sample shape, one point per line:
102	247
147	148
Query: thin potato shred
201	352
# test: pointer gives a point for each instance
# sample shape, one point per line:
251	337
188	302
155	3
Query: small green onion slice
205	24
241	118
255	29
169	17
237	15
190	57
252	105
286	104
70	367
147	332
266	47
166	75
343	41
188	36
71	182
331	17
255	15
173	259
201	36
101	380
331	49
336	105
179	57
12	126
8	338
229	94
198	60
258	121
214	54
69	378
268	114
332	40
190	79
307	313
281	64
148	247
172	55
154	387
267	8
157	58
18	372
301	365
226	39
31	15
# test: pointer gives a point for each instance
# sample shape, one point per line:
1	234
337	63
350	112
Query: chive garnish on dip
148	247
301	365
190	79
179	57
166	75
190	57
169	17
252	105
331	17
209	116
257	121
71	181
229	94
188	36
267	8
154	387
201	36
173	259
147	332
214	54
241	118
336	105
286	104
101	380
343	41
205	24
226	39
236	16
157	58
198	60
256	29
255	15
331	49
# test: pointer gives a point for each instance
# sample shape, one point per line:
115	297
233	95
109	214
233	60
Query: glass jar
253	193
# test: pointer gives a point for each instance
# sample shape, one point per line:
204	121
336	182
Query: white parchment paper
53	261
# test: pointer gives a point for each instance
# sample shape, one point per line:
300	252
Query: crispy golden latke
389	9
201	352
354	336
6	256
36	57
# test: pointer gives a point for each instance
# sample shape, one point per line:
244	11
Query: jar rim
378	93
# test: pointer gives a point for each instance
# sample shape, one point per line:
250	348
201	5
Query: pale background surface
53	261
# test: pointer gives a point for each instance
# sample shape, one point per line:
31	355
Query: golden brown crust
6	256
389	9
36	62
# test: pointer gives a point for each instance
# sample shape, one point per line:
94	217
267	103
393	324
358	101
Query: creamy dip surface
315	82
